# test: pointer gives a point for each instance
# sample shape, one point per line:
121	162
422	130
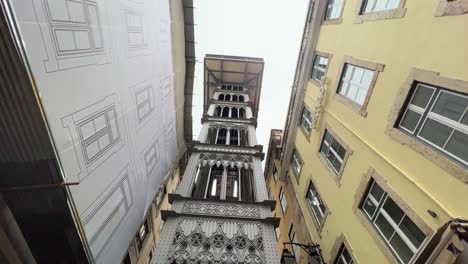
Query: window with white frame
319	68
316	204
343	256
333	151
282	198
334	9
296	163
98	133
143	102
371	6
355	83
306	119
400	233
438	118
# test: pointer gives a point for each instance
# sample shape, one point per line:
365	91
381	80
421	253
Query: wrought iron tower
221	212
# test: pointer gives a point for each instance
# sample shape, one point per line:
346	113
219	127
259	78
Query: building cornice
309	42
208	118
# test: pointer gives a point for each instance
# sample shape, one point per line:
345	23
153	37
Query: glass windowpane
410	120
450	105
458	145
435	132
422	95
384	226
412	232
401	249
393	210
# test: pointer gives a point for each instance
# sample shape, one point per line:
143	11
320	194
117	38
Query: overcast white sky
269	29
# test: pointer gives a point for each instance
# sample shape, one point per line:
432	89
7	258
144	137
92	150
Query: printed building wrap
104	75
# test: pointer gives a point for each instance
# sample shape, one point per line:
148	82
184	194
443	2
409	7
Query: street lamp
313	251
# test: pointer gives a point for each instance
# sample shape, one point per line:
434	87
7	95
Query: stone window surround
451	8
321	54
318	227
359	197
398	12
306	133
335	250
334	21
297	176
376	67
335	175
432	78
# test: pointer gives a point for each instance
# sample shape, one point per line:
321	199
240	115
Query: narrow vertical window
225	112
221	97
232	184
227	97
221	138
316	204
296	163
282	198
306	120
241	98
234	112
275	173
234	98
319	68
214	189
241	113
293	239
234	137
217	112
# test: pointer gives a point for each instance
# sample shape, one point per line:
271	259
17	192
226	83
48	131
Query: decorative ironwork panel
221	209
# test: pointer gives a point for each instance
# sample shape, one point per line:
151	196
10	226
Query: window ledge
351	104
334	21
381	15
451	8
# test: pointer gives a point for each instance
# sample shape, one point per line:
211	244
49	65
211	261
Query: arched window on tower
217	111
234	87
232	184
234	137
241	98
234	98
223	87
200	181
221	97
243	138
229	87
242	113
234	112
211	137
246	185
241	88
214	188
225	112
227	97
221	138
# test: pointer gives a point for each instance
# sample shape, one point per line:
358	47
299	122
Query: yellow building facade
376	140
